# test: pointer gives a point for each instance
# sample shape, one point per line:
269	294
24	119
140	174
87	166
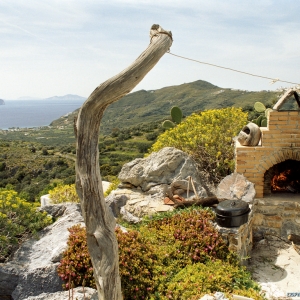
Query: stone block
289	227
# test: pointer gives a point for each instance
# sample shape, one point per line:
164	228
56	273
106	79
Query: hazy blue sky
58	47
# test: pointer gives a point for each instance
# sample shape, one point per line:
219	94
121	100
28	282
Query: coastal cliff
2	102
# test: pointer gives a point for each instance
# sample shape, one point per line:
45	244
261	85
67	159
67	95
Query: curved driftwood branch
100	223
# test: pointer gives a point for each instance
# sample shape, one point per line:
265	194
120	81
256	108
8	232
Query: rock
162	167
115	201
145	182
77	293
127	216
236	187
32	270
9	278
45	200
54	210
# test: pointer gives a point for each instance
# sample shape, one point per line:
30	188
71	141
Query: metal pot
232	213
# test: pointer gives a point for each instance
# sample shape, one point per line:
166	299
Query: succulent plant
262	120
176	115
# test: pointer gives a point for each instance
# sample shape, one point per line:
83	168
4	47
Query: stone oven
274	168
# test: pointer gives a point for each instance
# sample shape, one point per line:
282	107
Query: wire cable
273	80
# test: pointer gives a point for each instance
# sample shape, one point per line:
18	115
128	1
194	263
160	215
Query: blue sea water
34	113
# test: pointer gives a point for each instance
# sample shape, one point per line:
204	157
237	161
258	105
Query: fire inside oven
286	177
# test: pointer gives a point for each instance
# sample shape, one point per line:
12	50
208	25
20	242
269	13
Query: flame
280	182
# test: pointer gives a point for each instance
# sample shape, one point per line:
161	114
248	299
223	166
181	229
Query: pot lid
232	208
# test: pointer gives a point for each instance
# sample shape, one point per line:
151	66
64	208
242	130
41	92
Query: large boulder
145	182
162	167
32	270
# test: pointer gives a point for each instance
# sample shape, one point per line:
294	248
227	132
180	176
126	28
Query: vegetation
76	268
175	251
176	255
33	168
176	115
64	193
154	105
207	136
262	119
18	220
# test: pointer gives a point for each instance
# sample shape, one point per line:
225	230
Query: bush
207	137
194	281
18	220
64	193
159	258
137	263
75	268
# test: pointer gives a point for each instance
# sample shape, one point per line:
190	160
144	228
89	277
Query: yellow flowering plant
64	193
18	220
208	137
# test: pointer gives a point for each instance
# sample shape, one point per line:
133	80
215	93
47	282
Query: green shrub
114	182
137	263
184	238
194	281
64	193
18	220
207	136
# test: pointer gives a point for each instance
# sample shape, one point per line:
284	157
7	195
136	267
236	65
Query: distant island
2	102
66	97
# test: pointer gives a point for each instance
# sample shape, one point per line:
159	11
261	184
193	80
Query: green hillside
154	105
33	160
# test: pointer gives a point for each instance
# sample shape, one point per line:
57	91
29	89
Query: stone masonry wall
276	217
280	141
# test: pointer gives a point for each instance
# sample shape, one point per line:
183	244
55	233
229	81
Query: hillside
148	106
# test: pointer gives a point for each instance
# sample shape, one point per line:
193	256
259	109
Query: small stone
168	201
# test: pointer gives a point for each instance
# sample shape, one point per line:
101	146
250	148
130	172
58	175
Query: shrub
136	257
114	182
194	281
137	263
175	255
18	220
75	268
207	136
64	193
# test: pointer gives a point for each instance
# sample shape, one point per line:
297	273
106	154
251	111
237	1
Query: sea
35	113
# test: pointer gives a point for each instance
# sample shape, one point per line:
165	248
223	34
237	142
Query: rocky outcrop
32	270
147	181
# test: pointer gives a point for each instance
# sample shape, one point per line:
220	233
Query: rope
273	80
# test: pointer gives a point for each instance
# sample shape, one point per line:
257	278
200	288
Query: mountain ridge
145	106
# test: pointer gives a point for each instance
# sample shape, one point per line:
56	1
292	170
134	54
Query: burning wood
285	182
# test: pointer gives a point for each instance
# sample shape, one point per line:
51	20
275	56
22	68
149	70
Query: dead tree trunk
100	223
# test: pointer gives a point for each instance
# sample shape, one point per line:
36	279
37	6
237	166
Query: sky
58	47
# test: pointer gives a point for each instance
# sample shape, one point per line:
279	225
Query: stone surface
236	187
9	278
277	214
77	293
145	182
162	167
32	270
